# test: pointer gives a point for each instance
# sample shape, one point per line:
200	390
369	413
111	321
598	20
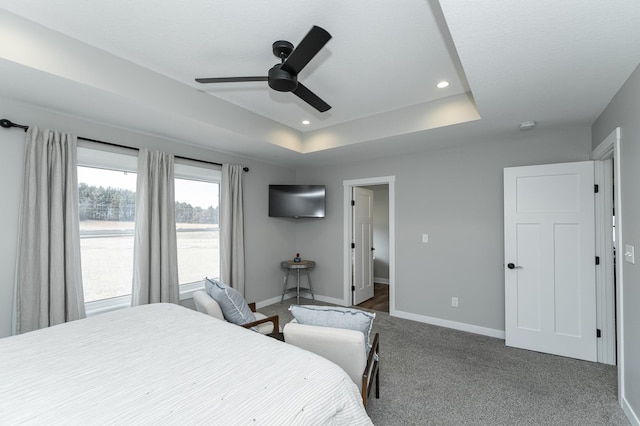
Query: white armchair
346	348
206	304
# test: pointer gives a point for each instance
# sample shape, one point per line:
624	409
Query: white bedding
165	364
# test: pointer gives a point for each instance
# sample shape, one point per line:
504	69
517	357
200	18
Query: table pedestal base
288	266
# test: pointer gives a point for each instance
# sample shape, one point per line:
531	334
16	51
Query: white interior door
550	302
363	245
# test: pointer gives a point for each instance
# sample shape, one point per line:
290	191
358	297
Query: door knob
512	266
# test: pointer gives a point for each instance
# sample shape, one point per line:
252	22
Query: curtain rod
7	124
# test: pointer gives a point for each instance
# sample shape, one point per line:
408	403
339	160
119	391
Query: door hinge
597	260
353	202
595	188
598	333
353	245
353	288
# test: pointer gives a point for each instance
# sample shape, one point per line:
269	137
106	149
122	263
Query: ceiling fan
283	77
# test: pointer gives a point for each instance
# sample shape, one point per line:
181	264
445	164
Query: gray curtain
232	228
155	260
49	277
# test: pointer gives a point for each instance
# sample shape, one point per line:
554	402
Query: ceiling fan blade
310	45
311	98
230	79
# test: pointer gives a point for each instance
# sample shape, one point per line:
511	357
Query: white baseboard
319	298
381	280
271	301
331	300
631	415
406	315
451	324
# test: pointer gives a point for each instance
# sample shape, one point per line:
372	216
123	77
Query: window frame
203	172
122	159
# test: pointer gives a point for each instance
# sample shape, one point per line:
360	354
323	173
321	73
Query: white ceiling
555	62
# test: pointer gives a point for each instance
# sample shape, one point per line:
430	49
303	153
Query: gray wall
623	112
455	195
11	166
267	241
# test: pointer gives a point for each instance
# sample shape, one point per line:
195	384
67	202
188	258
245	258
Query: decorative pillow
233	306
335	316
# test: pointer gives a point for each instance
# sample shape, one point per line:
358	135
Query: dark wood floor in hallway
380	299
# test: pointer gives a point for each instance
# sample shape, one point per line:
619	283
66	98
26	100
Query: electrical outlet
425	238
454	302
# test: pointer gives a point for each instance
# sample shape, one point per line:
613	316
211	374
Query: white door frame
348	189
605	300
609	147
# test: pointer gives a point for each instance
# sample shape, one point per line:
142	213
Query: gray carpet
432	375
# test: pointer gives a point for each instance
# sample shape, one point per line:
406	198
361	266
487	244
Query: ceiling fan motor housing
281	80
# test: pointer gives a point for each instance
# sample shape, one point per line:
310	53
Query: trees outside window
107	223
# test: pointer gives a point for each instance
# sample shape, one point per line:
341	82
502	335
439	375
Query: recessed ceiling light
306	122
442	84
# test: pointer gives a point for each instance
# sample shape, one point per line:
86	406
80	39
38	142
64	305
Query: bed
166	364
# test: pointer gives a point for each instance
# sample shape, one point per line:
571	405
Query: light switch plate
629	254
425	238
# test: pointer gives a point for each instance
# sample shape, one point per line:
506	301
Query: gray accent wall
268	241
456	196
11	168
624	112
452	194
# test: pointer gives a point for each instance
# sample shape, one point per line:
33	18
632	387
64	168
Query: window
107	200
106	186
197	192
106	189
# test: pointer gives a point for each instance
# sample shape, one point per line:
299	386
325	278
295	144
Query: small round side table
303	265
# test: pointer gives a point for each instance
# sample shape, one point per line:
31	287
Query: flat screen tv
296	201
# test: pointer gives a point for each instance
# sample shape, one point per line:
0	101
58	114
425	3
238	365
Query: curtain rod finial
7	124
246	169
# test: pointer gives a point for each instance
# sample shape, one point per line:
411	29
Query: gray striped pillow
233	306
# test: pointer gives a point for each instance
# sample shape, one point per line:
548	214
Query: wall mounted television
296	201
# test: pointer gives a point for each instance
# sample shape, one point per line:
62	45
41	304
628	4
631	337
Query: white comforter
165	364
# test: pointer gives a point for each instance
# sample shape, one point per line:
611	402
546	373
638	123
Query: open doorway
379	252
606	260
380	249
